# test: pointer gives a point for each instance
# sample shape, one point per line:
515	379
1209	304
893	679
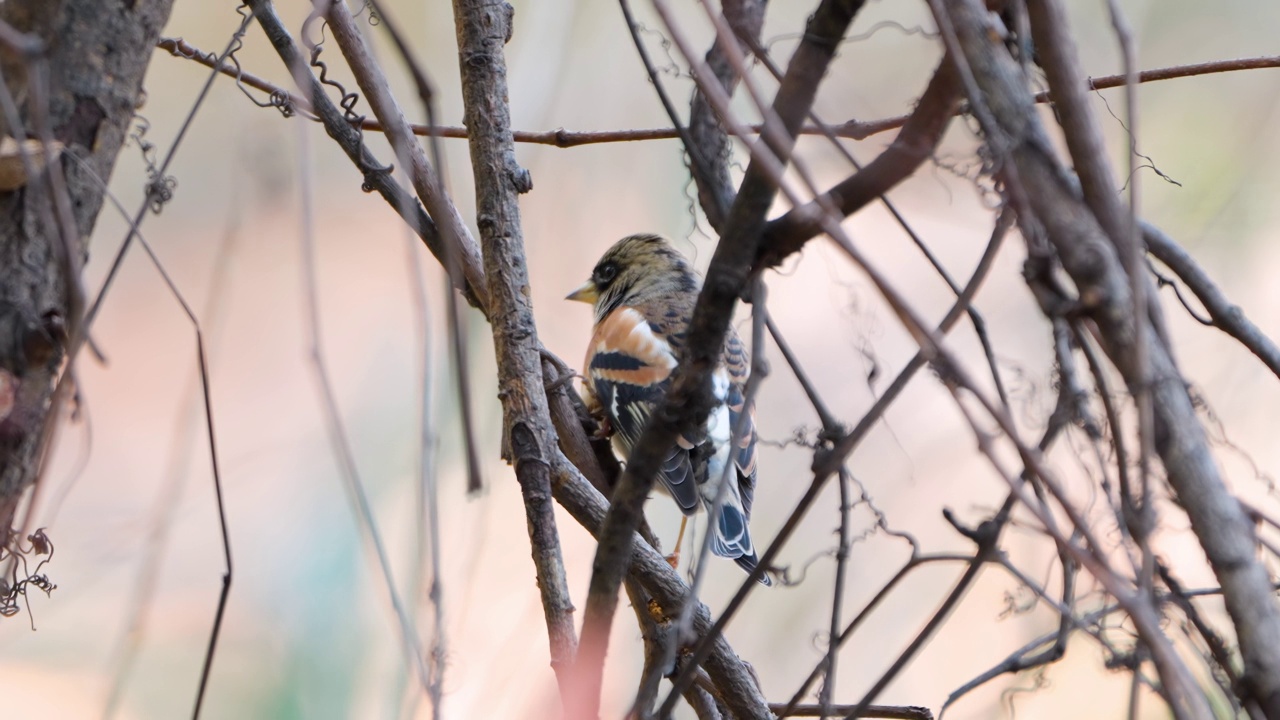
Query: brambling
644	292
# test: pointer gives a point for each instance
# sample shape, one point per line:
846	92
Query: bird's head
637	268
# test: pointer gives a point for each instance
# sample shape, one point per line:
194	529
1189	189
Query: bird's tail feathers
748	563
731	539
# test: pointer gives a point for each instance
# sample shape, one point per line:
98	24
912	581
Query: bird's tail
731	539
748	563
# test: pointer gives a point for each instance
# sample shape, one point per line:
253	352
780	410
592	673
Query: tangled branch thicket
1140	460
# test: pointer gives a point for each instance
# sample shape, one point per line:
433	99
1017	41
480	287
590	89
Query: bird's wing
629	363
738	364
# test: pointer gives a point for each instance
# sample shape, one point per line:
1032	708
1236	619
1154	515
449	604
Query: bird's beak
587	293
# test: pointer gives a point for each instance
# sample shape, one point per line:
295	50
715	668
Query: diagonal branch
689	399
715	188
529	440
1089	257
1225	315
916	142
376	176
732	679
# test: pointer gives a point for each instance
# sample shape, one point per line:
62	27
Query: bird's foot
604	429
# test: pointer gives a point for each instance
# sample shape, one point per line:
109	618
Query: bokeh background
309	632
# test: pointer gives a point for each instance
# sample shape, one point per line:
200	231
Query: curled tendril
347	102
13	588
281	100
159	187
160	191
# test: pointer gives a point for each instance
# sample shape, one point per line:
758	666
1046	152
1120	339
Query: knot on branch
985	536
1090	264
520	178
524	445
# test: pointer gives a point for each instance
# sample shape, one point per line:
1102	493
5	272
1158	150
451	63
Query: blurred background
309	632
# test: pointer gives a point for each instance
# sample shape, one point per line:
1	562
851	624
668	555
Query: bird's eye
605	273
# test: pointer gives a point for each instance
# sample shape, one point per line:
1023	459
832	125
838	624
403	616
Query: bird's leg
674	558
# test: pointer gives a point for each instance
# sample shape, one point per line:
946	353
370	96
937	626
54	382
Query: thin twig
914	562
428	183
1225	315
828	463
894	712
837	594
339	439
203	359
851	130
163	515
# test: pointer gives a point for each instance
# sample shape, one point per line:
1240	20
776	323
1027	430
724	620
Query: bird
643	292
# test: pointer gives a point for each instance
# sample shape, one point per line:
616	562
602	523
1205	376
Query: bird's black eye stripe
605	273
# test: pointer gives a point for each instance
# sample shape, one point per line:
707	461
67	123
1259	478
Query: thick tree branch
733	682
706	133
1004	106
81	94
529	440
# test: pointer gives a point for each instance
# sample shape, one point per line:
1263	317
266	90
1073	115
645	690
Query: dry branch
707	138
920	135
1225	315
1004	106
529	439
375	175
84	95
561	138
733	682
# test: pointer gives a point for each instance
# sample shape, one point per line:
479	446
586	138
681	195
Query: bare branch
561	138
529	440
706	133
737	688
1004	107
920	135
1225	315
894	712
376	175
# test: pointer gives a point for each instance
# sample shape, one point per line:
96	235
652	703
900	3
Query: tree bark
529	439
1088	254
79	88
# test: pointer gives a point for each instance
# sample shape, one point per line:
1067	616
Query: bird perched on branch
644	292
